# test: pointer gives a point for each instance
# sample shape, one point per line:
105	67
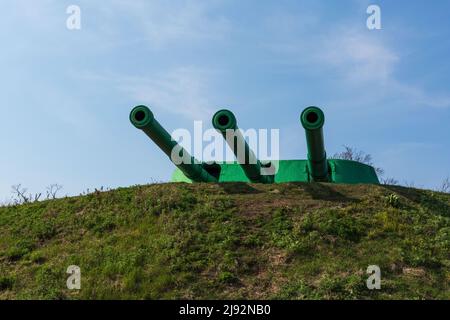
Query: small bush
226	277
20	249
393	200
37	257
6	283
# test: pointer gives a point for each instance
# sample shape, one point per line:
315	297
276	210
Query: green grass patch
209	241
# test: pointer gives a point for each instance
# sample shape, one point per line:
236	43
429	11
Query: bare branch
52	190
390	181
357	155
445	187
19	194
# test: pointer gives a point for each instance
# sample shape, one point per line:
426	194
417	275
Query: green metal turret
247	168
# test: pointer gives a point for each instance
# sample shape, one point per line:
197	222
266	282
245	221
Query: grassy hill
236	240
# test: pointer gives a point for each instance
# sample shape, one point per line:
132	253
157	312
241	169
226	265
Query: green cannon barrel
142	118
224	121
313	119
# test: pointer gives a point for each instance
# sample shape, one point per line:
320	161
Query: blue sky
66	95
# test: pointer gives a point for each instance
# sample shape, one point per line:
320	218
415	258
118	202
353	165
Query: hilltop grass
229	241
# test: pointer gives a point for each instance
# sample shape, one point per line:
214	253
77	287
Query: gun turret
247	167
142	118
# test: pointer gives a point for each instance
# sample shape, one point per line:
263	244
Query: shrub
393	200
6	283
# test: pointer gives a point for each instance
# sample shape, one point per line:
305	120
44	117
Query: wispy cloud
182	91
162	23
359	60
362	60
358	57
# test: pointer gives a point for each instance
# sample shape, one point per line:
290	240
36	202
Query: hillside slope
234	240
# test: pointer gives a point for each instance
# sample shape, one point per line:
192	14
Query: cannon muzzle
313	119
225	122
142	118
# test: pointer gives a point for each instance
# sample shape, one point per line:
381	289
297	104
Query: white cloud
419	96
182	91
363	60
359	57
161	23
363	63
